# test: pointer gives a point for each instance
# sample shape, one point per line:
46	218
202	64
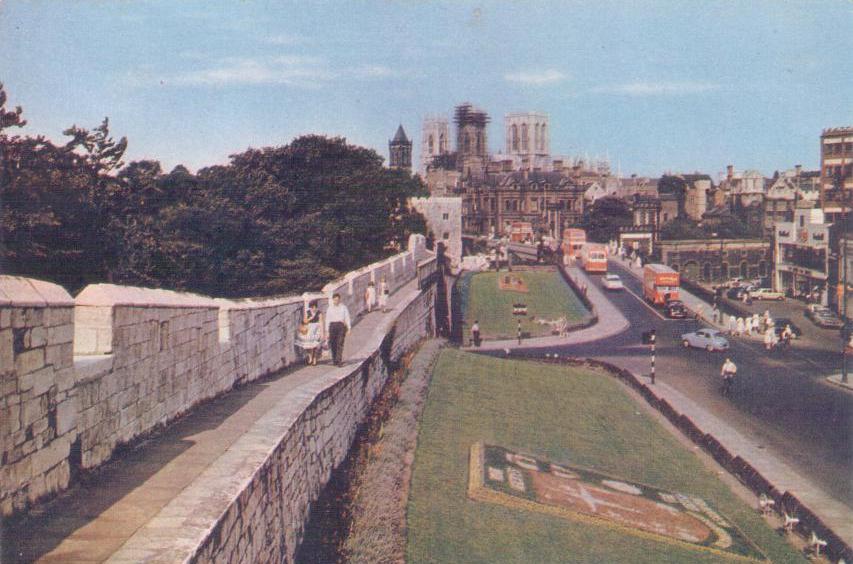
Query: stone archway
744	270
691	270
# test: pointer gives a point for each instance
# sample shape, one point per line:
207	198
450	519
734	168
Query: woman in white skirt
383	295
310	333
370	296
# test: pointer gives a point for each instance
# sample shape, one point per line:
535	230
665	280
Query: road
781	400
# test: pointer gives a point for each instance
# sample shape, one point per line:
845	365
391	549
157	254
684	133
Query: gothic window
479	141
431	145
536	137
524	137
441	144
542	138
514	137
466	145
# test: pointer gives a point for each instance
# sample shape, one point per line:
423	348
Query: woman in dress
383	295
311	337
370	296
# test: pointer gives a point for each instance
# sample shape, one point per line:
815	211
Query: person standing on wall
370	296
383	295
337	326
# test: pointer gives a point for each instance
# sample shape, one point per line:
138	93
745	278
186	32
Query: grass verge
576	416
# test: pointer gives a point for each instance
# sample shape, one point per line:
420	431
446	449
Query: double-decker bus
594	258
573	242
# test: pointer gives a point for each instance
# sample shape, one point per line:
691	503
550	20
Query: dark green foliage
275	220
603	219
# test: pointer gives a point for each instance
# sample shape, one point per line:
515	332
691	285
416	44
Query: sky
656	86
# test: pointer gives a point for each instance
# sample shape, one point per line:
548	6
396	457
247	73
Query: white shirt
337	313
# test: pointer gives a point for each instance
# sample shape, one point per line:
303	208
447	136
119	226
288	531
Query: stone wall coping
209	497
114	295
17	291
92	366
248	304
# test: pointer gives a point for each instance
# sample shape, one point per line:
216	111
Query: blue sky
657	85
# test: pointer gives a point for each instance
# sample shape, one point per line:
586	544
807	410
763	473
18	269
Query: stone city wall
265	517
81	377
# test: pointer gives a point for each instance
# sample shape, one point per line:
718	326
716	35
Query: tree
603	219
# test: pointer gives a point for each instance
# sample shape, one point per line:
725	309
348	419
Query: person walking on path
741	326
728	372
475	333
769	339
732	325
337	326
310	333
716	314
766	318
383	295
370	296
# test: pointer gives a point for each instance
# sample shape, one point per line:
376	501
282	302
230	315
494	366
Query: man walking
337	327
475	333
728	372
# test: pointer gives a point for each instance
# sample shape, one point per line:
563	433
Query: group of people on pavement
329	329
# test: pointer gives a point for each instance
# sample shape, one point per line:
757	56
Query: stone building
400	151
717	260
802	257
435	140
528	141
696	190
472	149
836	166
791	189
444	220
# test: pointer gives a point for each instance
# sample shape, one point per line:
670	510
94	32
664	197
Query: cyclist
728	372
787	335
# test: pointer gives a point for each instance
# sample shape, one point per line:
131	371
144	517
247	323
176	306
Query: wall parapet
82	376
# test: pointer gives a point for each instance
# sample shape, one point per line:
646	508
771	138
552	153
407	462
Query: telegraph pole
652	337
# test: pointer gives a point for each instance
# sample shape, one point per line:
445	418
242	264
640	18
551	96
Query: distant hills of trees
274	220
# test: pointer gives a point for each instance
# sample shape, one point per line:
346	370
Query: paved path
835	514
94	519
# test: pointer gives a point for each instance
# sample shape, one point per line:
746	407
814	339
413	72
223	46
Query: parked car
675	309
827	319
736	293
766	294
780	324
708	339
733	282
612	282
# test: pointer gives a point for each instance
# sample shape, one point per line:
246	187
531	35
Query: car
612	282
735	293
733	282
675	309
828	320
780	324
766	294
708	339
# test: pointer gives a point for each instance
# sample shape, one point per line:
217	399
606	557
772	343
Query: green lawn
573	416
549	298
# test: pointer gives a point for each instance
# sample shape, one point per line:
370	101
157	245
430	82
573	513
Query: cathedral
400	151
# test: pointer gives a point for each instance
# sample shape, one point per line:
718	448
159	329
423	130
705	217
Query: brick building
717	260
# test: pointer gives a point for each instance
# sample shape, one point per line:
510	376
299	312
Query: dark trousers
476	338
337	332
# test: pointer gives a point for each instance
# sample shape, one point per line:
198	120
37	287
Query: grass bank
572	416
548	297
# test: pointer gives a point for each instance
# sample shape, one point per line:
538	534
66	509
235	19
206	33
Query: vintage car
767	294
612	282
708	339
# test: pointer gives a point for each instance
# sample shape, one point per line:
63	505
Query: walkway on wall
94	520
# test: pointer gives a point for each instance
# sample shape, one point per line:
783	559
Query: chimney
730	171
799	169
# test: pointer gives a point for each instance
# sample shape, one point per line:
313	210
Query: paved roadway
781	400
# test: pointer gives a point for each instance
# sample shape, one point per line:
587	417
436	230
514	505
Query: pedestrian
383	295
732	324
475	333
747	326
769	339
700	310
741	326
728	372
337	326
756	323
310	333
370	296
716	314
766	318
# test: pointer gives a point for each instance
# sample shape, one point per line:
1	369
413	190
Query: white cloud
285	39
535	78
290	70
664	88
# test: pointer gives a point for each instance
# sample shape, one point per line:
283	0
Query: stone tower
528	138
471	142
435	140
400	151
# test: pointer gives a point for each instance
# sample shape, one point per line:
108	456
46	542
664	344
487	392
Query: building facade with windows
836	167
444	220
717	260
802	254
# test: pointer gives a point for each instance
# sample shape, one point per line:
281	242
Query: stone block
5	317
59	356
29	361
35	337
66	416
33	409
60	334
58	316
7	353
37	382
86	341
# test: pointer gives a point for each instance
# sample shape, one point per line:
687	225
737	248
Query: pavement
95	519
739	442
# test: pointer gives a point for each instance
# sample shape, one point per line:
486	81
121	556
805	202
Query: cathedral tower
471	143
435	140
400	151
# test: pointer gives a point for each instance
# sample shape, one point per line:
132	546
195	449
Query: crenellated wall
81	377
